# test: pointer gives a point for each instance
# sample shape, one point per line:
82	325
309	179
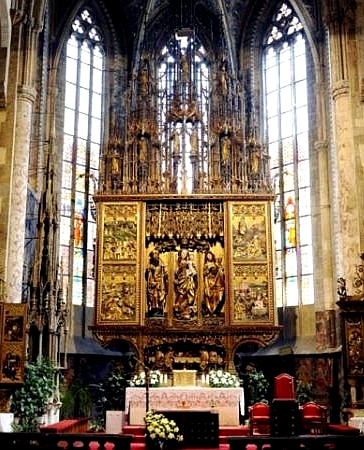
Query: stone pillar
348	232
323	258
346	175
18	193
321	225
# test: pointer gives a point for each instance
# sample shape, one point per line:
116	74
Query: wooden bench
67	426
301	442
57	441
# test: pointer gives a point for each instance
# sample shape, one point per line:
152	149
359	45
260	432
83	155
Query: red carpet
139	436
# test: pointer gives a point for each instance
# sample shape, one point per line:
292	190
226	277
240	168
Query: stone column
321	228
347	213
18	193
346	175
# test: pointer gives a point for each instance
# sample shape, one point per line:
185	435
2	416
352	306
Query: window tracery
81	150
287	128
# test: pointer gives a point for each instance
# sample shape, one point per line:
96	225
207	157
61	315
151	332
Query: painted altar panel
251	258
118	264
13	317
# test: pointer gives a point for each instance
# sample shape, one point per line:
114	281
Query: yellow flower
161	428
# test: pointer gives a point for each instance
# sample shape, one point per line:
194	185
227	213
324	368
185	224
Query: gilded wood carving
13	318
118	279
252	280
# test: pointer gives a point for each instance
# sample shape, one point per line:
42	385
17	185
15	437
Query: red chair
284	387
313	418
259	418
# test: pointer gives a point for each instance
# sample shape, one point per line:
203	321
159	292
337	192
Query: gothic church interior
181	186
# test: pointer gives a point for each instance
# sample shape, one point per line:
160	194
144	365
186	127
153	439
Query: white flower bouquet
140	379
161	430
220	378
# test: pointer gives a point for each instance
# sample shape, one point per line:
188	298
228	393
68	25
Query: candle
209	215
160	219
207	379
203	380
165	378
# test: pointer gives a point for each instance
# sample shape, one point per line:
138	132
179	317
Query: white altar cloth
228	402
357	422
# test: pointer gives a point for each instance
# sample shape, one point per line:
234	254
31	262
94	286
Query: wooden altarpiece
214	284
184	254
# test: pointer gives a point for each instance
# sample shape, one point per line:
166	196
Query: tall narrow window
183	87
286	113
82	140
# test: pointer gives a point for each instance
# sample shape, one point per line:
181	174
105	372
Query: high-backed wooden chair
313	418
259	418
284	388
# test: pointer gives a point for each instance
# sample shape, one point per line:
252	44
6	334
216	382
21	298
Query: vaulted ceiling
221	24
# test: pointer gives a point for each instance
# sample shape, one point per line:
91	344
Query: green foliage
30	400
76	400
257	386
96	425
345	403
304	392
114	391
110	394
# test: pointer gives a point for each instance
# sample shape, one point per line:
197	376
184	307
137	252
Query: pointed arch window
81	151
287	130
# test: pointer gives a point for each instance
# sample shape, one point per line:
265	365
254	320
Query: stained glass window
184	88
81	150
287	128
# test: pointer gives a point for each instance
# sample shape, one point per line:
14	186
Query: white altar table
228	402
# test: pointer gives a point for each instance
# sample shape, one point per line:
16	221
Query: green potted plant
345	405
304	392
257	386
29	402
110	401
76	400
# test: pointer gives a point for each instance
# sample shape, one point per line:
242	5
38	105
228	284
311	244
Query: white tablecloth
357	422
228	402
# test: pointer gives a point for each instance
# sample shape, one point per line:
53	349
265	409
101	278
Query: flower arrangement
139	380
161	430
220	378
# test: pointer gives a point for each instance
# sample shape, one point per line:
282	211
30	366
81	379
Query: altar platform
227	402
